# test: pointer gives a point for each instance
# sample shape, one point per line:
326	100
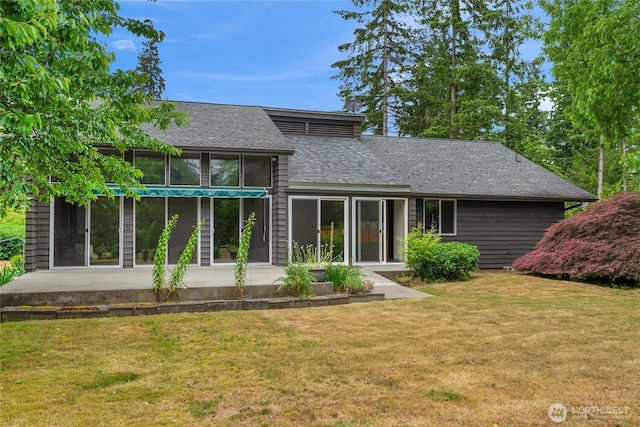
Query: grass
499	349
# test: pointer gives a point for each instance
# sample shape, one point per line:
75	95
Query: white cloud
124	44
546	104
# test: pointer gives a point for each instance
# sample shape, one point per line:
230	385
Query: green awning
227	193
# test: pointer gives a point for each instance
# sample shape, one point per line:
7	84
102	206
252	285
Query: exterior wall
205	213
504	231
128	250
36	249
415	212
127	230
279	210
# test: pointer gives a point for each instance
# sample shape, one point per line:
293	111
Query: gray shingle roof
224	127
428	167
431	167
471	169
335	160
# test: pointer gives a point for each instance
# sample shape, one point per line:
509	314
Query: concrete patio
72	287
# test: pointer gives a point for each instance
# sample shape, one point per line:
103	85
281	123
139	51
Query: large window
185	170
151	214
86	236
319	223
108	176
240	171
440	216
257	171
150	221
228	215
152	166
187	211
225	170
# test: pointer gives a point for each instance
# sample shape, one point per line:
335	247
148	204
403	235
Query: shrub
419	248
346	279
17	262
7	274
11	240
296	281
452	261
600	244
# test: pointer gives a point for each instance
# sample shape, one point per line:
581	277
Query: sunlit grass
498	349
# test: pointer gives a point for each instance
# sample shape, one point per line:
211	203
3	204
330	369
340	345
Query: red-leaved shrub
600	244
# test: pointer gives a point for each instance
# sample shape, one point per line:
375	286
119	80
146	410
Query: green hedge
13	247
450	262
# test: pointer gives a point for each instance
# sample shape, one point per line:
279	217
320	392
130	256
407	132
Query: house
313	179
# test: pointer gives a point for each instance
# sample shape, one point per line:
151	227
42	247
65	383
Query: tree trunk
600	167
385	72
624	166
452	132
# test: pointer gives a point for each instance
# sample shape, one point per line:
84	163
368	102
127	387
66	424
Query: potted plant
315	262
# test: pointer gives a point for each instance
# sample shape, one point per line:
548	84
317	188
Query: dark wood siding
504	231
128	233
413	213
279	210
205	233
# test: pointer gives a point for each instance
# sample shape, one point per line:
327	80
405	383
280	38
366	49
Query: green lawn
499	349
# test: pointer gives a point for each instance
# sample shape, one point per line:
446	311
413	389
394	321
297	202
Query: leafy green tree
595	54
60	101
149	66
376	55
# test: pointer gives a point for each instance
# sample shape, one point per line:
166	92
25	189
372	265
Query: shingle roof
428	167
471	169
336	160
431	167
224	127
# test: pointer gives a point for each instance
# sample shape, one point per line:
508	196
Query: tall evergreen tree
521	84
468	79
376	55
451	89
149	66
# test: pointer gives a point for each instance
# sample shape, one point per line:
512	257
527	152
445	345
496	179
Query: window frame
244	168
185	156
155	154
439	230
221	156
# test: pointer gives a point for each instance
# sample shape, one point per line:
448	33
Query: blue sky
261	52
268	53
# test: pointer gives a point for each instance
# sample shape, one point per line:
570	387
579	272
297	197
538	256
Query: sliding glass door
229	215
104	232
369	230
378	224
86	236
320	223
